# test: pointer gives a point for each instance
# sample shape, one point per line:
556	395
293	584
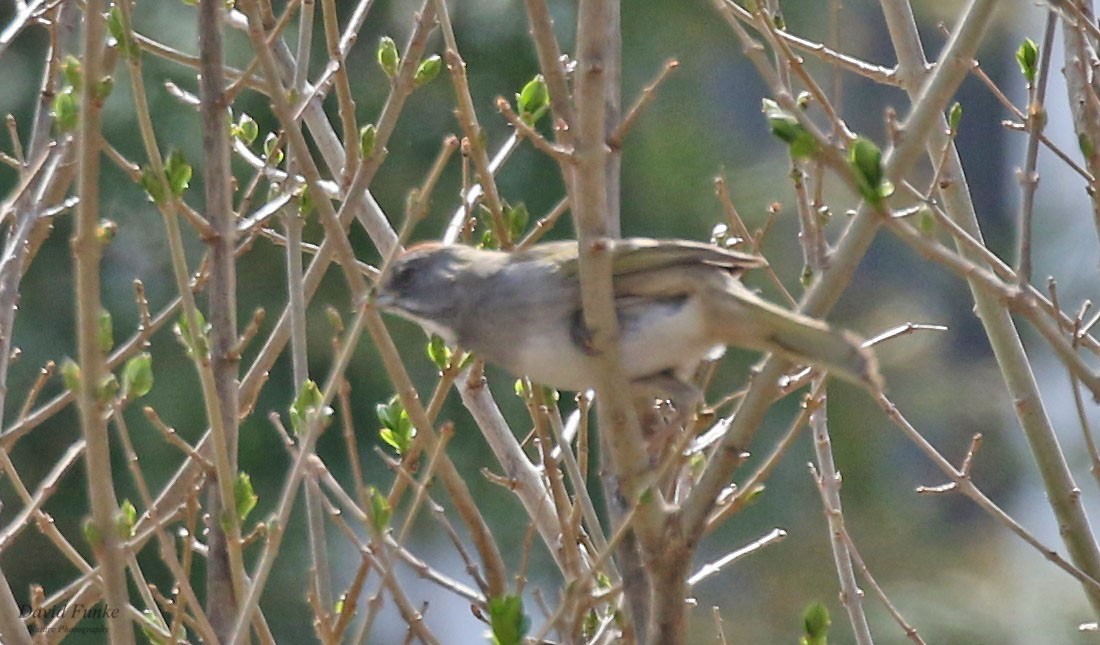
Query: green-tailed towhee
677	302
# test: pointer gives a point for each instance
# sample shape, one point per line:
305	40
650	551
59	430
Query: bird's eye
402	276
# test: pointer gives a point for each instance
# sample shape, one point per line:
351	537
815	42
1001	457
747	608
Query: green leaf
865	158
308	405
152	185
380	511
926	221
516	217
178	172
244	498
507	621
126	519
66	111
104	331
785	125
137	376
533	100
305	201
388	58
367	134
1027	56
194	341
397	429
151	629
427	70
245	129
438	352
815	621
123	39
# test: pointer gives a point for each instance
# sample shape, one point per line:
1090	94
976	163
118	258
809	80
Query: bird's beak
379	299
383	299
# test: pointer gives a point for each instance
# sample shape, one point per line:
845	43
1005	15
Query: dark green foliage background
952	571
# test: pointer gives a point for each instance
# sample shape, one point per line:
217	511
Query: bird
677	302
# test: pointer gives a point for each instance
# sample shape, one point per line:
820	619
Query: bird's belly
663	337
653	338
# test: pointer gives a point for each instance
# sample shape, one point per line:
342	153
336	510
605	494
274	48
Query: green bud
367	135
815	621
784	125
66	111
104	331
305	201
195	341
91	534
125	520
380	511
152	185
954	116
103	89
438	352
271	150
178	172
533	99
388	58
507	621
334	319
1027	56
1084	142
427	70
105	231
137	376
107	389
245	129
865	159
244	496
308	404
70	374
71	72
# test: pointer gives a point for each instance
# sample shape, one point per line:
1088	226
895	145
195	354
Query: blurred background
953	572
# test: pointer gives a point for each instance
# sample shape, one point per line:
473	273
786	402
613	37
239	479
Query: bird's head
421	285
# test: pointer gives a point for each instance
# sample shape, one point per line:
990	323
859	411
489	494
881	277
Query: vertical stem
828	482
225	570
297	308
87	253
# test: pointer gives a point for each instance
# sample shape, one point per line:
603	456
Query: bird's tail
751	322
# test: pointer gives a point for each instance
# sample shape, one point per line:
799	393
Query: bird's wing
639	254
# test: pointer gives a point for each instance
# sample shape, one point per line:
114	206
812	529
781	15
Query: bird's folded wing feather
641	254
634	255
